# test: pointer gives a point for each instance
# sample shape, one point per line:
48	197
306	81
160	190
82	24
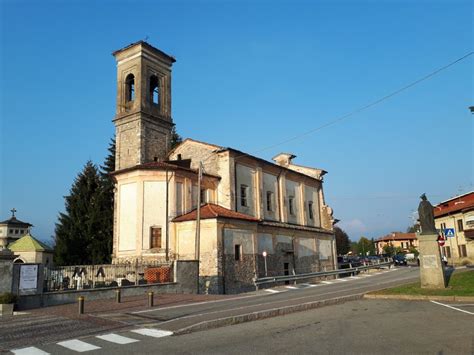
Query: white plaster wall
292	189
265	243
127	217
154	211
312	194
306	247
238	236
325	249
270	183
187	244
246	176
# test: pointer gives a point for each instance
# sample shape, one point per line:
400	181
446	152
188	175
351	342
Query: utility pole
167	219
198	216
198	223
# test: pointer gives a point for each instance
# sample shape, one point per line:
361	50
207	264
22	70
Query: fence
82	277
296	277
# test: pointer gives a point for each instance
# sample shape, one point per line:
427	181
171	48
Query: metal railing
351	270
81	277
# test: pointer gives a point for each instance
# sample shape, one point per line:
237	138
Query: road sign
441	241
449	232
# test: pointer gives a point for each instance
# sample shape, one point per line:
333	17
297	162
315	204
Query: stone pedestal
6	270
431	267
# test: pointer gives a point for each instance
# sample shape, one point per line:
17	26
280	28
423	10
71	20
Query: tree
365	246
76	233
175	137
103	245
413	229
343	244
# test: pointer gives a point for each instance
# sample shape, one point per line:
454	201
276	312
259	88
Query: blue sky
249	74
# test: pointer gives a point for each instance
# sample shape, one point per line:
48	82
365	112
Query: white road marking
292	287
327	282
342	280
272	290
151	332
457	309
117	339
78	345
309	285
354	277
29	351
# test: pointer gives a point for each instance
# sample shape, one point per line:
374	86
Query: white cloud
354	228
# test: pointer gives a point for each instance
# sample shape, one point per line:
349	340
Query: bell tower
143	115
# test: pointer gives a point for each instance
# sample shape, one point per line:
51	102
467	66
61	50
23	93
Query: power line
373	103
348	115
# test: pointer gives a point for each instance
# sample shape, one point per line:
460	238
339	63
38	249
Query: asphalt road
180	317
177	318
358	327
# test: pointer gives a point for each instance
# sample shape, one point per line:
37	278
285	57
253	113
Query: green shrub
7	298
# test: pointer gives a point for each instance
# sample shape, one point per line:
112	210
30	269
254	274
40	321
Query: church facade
256	217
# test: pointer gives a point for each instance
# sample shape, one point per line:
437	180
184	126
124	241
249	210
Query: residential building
248	205
404	241
457	213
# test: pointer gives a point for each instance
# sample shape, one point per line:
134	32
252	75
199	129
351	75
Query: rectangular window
243	195
179	198
269	201
310	210
447	251
11	231
16	231
203	196
194	196
291	207
155	237
462	251
238	252
460	225
443	227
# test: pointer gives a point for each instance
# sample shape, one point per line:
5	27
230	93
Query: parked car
400	259
374	259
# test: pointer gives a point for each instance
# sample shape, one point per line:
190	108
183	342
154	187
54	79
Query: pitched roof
456	204
28	243
397	236
210	210
15	222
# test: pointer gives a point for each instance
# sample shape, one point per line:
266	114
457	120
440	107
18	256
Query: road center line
457	309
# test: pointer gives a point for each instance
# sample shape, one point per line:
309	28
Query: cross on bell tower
143	114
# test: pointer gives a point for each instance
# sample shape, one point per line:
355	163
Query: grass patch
460	284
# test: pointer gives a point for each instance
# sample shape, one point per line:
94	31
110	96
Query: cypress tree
175	137
77	228
103	247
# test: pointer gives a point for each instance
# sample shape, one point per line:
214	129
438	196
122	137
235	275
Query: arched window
130	87
154	90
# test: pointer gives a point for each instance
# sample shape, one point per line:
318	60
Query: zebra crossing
81	346
325	282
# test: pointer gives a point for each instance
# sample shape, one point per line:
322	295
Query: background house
404	241
457	213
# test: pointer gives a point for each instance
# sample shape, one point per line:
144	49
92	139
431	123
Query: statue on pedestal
426	216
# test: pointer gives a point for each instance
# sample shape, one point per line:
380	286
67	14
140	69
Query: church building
256	217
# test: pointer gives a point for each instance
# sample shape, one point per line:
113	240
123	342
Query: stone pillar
431	267
6	270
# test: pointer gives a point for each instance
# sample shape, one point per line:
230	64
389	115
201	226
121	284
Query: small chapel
239	215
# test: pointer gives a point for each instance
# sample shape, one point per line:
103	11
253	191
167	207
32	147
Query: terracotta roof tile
455	204
211	210
397	236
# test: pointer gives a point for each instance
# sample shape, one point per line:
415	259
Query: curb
274	312
420	298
